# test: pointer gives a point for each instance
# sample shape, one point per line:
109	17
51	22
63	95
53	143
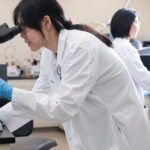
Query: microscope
6	34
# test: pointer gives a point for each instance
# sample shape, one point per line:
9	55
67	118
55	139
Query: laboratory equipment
7	33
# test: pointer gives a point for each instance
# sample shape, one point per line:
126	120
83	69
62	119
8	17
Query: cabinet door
23	84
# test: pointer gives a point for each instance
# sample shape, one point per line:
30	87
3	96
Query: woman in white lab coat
82	84
124	27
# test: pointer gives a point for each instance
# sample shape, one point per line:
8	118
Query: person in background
82	83
124	27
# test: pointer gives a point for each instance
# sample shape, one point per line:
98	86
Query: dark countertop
6	137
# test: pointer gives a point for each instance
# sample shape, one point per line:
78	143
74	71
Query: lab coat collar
61	46
119	38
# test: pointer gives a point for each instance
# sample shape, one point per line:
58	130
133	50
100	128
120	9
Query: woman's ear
46	22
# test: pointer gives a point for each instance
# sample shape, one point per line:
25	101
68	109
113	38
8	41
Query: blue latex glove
5	90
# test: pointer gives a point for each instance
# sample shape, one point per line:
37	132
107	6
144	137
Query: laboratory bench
6	138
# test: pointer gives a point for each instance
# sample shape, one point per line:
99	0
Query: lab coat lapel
61	46
60	53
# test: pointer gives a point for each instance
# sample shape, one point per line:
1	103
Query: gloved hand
5	90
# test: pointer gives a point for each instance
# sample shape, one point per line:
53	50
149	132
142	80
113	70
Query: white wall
80	11
85	11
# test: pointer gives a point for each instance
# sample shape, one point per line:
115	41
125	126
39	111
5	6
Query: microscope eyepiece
7	33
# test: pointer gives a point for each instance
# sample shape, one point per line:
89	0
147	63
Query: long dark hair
121	22
31	12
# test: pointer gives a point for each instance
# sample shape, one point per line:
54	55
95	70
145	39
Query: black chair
26	142
22	138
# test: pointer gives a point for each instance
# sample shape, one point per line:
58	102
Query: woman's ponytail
103	38
68	25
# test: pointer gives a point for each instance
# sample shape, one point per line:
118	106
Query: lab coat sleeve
76	82
12	122
137	70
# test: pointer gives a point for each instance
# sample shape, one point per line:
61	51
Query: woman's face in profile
32	37
134	29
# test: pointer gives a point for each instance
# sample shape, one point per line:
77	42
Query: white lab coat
138	72
89	90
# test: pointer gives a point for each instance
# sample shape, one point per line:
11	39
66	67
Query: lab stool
33	143
24	141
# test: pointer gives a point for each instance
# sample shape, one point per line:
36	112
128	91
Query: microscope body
7	33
